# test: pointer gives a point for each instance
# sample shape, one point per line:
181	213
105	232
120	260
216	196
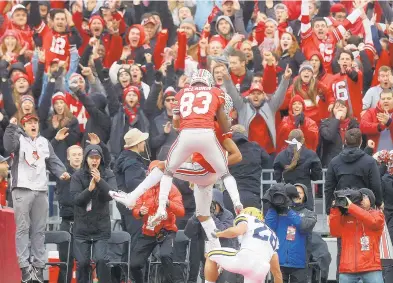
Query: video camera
341	198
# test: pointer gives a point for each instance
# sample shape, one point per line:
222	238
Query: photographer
359	225
292	222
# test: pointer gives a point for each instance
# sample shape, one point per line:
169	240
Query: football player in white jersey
257	254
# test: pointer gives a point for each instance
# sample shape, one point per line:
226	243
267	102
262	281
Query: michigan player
257	254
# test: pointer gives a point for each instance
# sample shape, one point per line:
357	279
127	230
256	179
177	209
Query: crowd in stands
87	89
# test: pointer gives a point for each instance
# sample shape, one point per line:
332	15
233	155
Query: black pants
142	250
66	225
179	254
294	275
82	249
247	198
133	226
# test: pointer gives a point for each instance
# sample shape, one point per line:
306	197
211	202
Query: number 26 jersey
258	238
198	106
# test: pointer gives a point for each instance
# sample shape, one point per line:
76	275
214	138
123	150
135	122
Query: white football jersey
259	237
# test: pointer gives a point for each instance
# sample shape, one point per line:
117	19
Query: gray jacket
246	111
31	159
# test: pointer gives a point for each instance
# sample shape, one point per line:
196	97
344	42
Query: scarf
131	112
343	128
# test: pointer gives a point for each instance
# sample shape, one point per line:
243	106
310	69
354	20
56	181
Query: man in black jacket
130	170
92	225
247	172
352	168
74	157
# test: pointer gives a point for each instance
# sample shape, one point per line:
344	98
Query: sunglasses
169	100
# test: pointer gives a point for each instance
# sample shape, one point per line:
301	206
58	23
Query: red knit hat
96	17
58	96
337	8
133	89
11	32
20	76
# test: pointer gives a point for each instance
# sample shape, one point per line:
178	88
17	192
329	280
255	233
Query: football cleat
123	198
160	215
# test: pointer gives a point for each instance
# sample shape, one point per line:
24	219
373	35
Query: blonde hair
73	147
311	92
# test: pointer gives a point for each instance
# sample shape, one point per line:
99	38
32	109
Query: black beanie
370	195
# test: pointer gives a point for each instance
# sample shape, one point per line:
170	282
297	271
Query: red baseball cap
27	118
256	87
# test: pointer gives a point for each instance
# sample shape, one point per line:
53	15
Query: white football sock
209	281
165	188
209	226
151	180
231	187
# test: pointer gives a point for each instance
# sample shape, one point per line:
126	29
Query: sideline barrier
9	269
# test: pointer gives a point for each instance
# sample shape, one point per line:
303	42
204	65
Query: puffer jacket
350	228
149	199
309	128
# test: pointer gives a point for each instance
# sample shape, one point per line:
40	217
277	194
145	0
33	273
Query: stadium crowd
87	93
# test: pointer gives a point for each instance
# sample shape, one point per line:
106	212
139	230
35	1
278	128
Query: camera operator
293	223
359	225
163	234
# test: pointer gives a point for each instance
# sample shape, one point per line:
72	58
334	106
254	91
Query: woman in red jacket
317	96
360	231
297	120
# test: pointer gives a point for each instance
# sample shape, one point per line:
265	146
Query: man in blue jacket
293	226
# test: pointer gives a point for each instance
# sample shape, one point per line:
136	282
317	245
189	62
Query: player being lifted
257	254
200	173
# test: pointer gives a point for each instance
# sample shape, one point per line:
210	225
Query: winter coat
130	171
352	168
174	209
99	122
377	132
96	223
66	203
294	63
351	228
288	123
292	253
247	172
387	191
308	168
330	140
160	141
247	112
120	123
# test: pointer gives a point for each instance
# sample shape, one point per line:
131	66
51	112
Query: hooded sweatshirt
352	168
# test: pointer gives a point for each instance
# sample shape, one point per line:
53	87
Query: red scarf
131	112
343	128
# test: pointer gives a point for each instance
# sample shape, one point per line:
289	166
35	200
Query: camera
341	197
